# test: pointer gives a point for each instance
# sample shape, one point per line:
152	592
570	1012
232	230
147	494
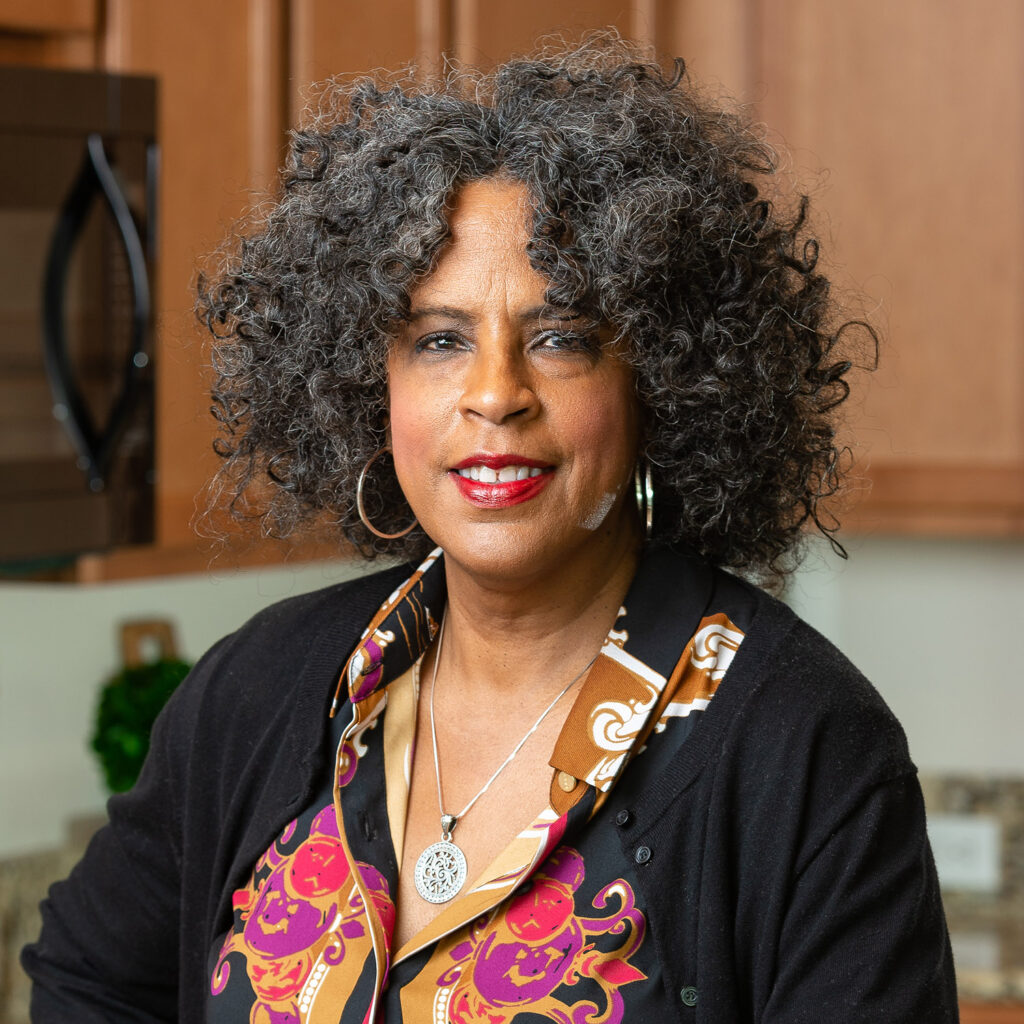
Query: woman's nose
497	386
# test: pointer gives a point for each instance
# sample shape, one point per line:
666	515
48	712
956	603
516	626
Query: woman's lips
498	481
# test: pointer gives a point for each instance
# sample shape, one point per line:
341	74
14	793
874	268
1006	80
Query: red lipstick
502	494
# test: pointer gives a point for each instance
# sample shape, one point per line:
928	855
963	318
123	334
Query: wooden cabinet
220	133
904	118
484	32
327	39
220	71
906	121
916	179
990	1013
49	33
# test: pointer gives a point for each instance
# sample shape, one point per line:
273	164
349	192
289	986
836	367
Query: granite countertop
986	929
988	951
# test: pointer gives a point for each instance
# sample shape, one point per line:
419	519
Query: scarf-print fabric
551	930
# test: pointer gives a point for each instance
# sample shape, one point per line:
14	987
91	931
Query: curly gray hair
650	216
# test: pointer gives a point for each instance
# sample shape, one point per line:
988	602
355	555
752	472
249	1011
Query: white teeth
486	475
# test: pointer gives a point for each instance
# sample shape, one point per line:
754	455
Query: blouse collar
624	687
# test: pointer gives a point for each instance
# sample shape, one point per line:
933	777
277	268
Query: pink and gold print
300	915
525	957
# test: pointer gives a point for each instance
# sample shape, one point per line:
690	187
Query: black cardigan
788	876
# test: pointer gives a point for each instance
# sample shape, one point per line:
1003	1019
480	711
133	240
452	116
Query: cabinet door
905	122
328	39
484	32
910	118
49	33
990	1013
221	126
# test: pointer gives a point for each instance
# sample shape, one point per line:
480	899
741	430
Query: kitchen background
907	122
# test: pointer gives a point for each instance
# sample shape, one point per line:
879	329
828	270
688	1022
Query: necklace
441	867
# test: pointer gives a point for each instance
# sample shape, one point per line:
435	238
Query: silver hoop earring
644	496
360	508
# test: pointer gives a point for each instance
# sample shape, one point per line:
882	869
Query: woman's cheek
605	441
420	445
409	430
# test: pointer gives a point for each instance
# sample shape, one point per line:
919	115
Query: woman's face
514	429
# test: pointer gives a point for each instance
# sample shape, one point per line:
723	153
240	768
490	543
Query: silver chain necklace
441	868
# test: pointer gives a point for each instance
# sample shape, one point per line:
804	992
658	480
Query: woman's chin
506	556
499	553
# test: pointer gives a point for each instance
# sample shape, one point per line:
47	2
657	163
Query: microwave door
76	379
94	442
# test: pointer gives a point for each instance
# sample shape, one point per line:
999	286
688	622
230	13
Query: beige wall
58	643
936	625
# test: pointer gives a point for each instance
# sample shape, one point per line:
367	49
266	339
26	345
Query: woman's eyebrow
444	312
543	312
547	312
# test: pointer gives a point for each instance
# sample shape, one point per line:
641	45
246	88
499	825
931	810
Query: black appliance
78	175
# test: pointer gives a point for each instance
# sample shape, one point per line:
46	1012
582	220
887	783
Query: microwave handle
95	445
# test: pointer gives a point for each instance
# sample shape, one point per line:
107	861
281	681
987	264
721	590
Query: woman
543	332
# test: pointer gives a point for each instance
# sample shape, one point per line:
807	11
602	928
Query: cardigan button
623	818
689	996
642	855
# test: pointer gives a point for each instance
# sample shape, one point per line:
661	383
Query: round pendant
440	872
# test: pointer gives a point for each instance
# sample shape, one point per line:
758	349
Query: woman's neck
556	620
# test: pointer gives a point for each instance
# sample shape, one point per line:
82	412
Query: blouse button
566	782
623	818
689	996
642	855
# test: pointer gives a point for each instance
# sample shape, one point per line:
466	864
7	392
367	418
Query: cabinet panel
220	130
716	38
990	1013
921	206
44	16
328	38
485	32
76	50
49	33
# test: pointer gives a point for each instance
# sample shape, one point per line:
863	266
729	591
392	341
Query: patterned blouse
551	930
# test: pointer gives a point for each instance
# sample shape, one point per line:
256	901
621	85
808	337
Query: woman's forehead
486	253
491	205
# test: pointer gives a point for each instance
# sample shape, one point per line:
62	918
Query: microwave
78	180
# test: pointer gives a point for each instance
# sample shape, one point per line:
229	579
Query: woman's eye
567	341
443	341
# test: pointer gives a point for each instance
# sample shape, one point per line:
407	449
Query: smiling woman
562	766
511	427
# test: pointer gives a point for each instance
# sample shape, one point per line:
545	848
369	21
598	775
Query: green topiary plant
129	704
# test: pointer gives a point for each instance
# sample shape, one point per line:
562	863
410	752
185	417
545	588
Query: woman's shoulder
286	649
340	610
789	685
